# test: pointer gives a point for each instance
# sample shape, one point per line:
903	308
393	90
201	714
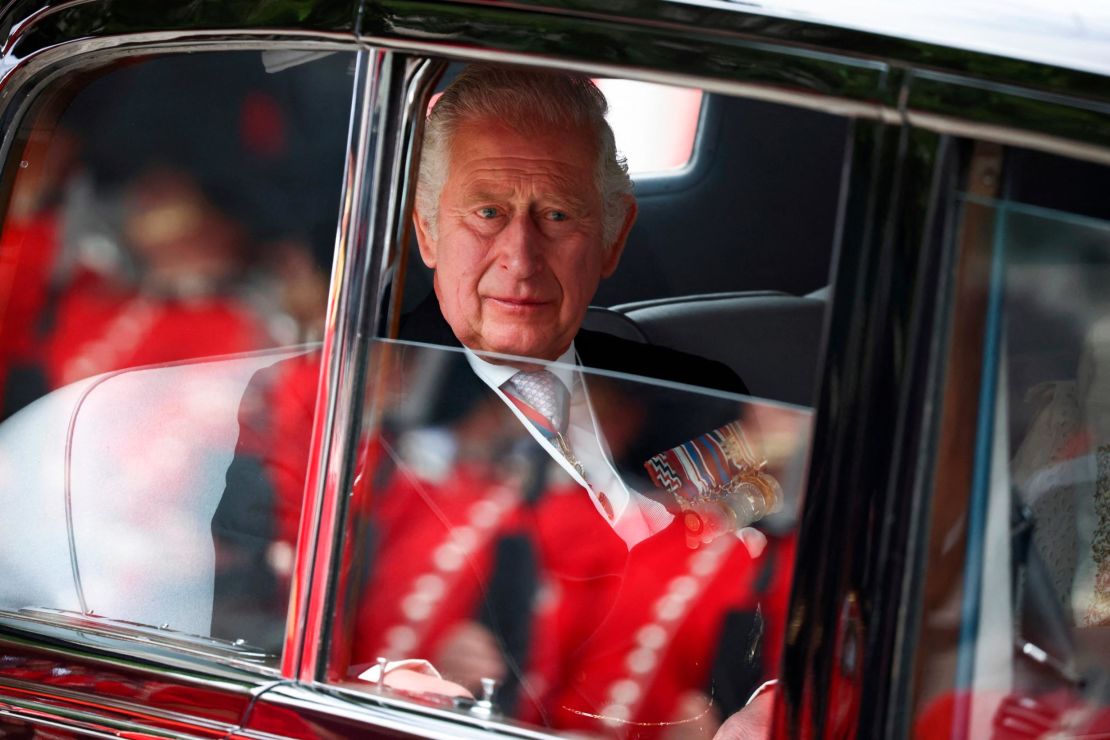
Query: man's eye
557	216
487	212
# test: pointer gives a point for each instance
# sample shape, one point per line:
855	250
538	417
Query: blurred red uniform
625	637
102	326
27	251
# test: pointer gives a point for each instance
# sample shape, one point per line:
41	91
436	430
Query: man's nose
520	247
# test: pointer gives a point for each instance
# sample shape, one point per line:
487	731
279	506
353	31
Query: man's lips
518	304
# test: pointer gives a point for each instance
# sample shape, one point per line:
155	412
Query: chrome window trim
422	74
1009	136
381	164
61	647
393	713
61	652
39	721
147	639
13	68
130	16
814	101
353	295
987	85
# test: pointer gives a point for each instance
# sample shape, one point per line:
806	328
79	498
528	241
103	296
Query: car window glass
1017	640
603	575
168	236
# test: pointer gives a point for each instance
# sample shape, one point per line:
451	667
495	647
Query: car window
656	124
603	579
1014	637
167	238
600	573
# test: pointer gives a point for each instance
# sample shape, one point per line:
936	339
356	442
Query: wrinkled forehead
489	154
566	141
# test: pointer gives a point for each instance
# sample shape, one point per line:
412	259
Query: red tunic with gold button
648	626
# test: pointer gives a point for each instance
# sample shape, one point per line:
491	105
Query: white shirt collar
495	374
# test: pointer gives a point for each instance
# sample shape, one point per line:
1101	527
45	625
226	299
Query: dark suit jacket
597	351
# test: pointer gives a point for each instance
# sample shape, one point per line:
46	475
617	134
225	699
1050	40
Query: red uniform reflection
187	251
472	551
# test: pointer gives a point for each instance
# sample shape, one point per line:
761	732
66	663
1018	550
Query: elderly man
522	208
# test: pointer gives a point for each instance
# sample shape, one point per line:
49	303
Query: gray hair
525	100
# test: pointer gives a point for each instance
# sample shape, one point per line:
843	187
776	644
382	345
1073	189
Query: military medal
717	480
568	453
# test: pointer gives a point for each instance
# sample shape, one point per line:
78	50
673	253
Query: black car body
896	243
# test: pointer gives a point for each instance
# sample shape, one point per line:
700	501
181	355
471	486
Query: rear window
656	125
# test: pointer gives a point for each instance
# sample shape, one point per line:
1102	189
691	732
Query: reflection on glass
176	208
109	488
168	216
1036	658
598	568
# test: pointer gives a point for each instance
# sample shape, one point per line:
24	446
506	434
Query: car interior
737	243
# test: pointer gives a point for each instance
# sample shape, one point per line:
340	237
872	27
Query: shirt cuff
374	674
763	688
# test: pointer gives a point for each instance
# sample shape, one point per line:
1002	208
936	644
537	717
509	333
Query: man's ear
424	239
613	253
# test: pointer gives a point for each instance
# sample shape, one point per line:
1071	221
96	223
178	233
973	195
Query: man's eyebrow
572	201
483	194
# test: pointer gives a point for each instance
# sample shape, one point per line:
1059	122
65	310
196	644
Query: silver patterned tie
545	396
545	393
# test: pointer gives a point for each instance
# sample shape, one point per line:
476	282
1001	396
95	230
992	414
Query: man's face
518	250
